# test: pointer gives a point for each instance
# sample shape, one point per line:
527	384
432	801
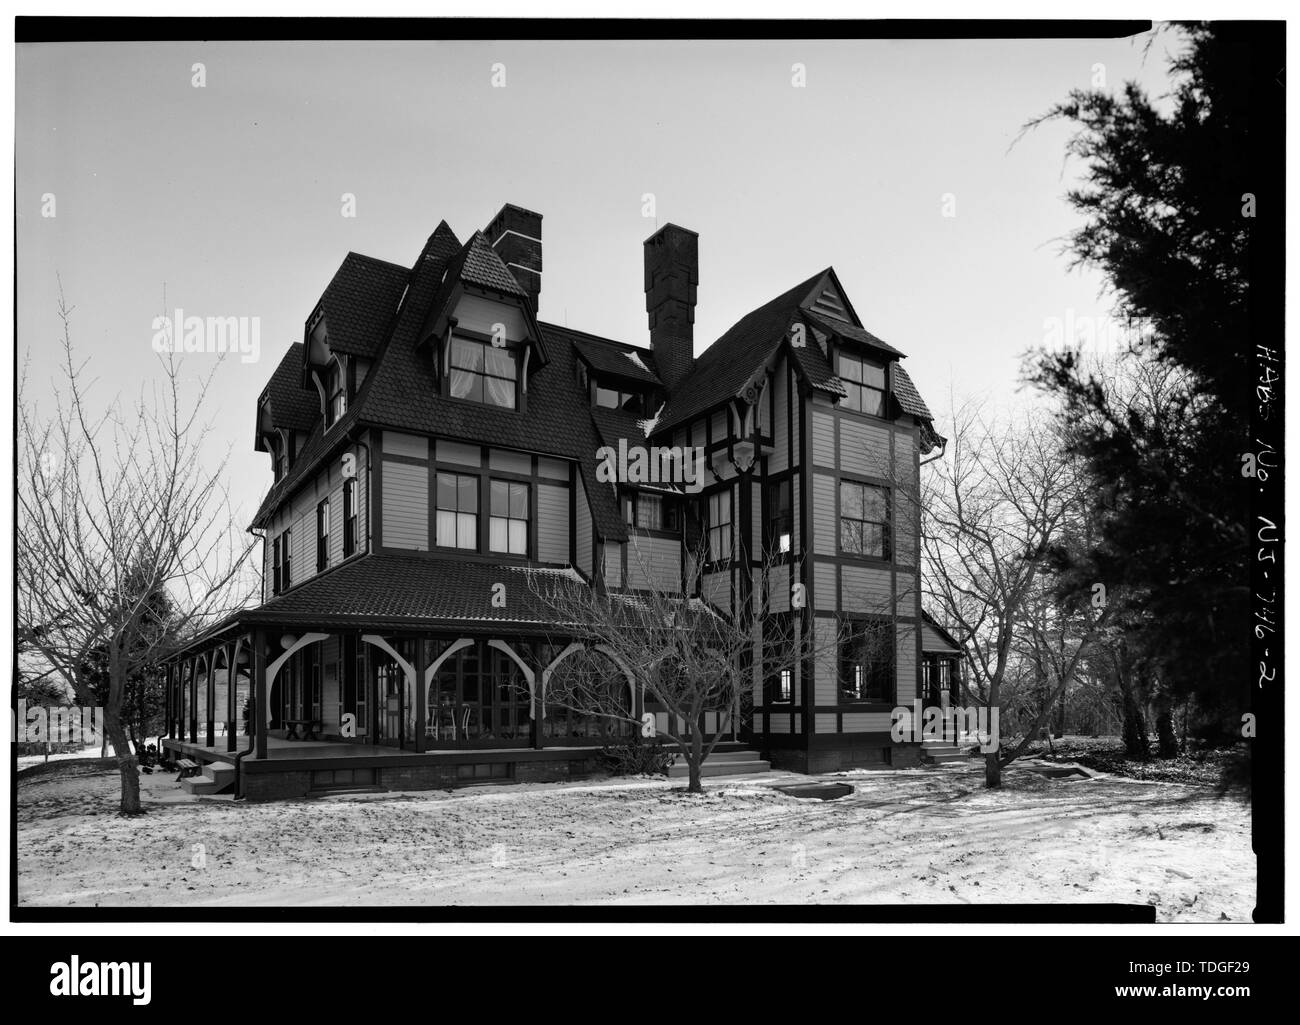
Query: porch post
167	703
257	669
232	687
194	700
420	664
212	698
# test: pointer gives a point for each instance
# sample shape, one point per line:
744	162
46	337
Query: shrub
637	759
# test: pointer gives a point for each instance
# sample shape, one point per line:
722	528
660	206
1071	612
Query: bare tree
127	541
994	510
691	658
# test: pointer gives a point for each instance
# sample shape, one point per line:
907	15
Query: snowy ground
918	836
93	751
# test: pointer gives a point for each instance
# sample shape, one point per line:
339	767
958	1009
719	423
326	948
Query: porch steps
722	763
217	776
938	752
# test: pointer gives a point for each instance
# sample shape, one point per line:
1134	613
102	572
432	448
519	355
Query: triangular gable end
831	304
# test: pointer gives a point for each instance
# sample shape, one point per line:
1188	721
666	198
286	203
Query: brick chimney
516	235
672	270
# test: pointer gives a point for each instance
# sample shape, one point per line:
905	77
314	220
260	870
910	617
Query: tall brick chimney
672	270
516	235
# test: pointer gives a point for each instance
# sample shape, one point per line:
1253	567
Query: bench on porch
188	768
309	727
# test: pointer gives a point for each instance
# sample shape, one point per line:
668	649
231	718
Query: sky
893	162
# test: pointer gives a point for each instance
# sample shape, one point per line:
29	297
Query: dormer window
611	398
336	395
865	382
279	445
482	372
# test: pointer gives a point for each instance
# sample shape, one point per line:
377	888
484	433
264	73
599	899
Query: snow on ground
93	751
914	836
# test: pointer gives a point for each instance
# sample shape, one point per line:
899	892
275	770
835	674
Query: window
784	685
336	400
508	517
610	398
457	511
779	521
280	575
864	519
322	535
481	372
867	661
719	525
349	517
865	382
280	455
650	512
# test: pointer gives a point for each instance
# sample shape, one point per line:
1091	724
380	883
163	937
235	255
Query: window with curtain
337	402
482	372
508	517
650	512
457	519
864	519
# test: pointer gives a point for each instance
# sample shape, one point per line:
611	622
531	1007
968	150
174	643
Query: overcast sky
230	194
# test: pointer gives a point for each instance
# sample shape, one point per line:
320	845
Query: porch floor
286	754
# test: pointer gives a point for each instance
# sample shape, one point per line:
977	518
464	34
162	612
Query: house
436	449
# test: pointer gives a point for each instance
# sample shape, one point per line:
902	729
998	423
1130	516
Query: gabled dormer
618	377
347	329
481	334
286	413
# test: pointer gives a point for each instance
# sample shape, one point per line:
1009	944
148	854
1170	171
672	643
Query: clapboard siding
864	448
406	506
654	563
412	446
778	595
906	664
824	596
582	534
866	589
826	689
823	439
867	722
613	564
779	460
823	500
552	523
510	462
715	588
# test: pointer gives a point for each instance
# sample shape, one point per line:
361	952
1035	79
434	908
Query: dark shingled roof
399	394
415	588
293	407
853	333
907	395
480	265
611	359
727	365
359	304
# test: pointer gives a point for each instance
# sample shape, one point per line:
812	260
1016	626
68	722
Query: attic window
482	372
610	398
864	380
336	401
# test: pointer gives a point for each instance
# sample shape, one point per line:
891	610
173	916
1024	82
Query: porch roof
404	592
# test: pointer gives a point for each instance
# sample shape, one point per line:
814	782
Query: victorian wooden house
433	444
